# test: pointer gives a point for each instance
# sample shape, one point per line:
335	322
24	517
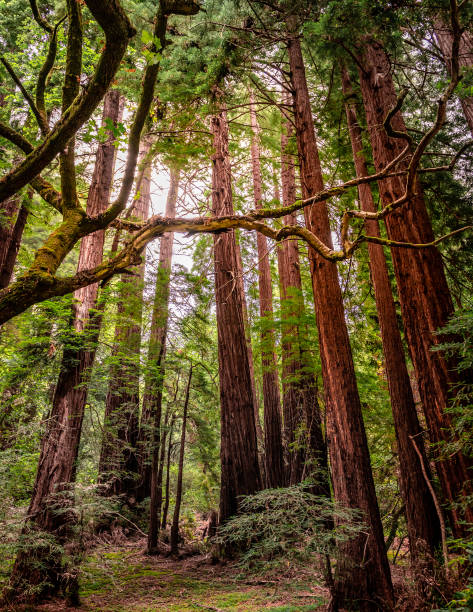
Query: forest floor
122	578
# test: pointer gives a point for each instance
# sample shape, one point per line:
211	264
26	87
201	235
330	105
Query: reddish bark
240	474
422	520
10	240
363	574
301	407
254	391
272	402
9	210
426	303
59	447
118	458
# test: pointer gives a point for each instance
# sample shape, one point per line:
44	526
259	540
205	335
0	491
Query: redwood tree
240	474
304	439
426	303
363	574
60	444
118	459
14	213
273	451
422	521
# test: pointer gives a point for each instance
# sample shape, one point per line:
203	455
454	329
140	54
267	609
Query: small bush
286	527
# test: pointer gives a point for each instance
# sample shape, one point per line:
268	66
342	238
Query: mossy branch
166	8
118	31
44	73
40	283
51	195
39	19
70	90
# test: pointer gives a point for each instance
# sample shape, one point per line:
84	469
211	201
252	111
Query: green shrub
286	527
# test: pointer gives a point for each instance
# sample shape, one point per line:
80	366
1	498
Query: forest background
149	384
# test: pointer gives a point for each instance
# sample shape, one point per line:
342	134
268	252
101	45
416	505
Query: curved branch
166	8
43	126
38	285
442	103
330	192
40	185
44	73
70	89
413	245
40	20
390	131
118	31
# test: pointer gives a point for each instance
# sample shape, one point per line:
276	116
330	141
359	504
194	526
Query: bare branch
387	121
40	185
38	116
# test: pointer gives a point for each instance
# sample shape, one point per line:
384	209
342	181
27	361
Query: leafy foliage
279	528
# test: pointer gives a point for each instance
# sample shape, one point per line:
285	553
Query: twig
398	549
128	520
16	79
437	505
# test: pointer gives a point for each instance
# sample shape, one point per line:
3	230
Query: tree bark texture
240	473
177	506
273	450
302	417
154	379
363	577
59	447
12	224
118	456
426	303
422	521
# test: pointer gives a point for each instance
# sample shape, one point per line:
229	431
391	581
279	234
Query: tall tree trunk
426	303
254	390
444	37
11	232
168	468
271	397
9	210
363	574
302	419
154	378
240	474
422	521
59	447
177	506
118	460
